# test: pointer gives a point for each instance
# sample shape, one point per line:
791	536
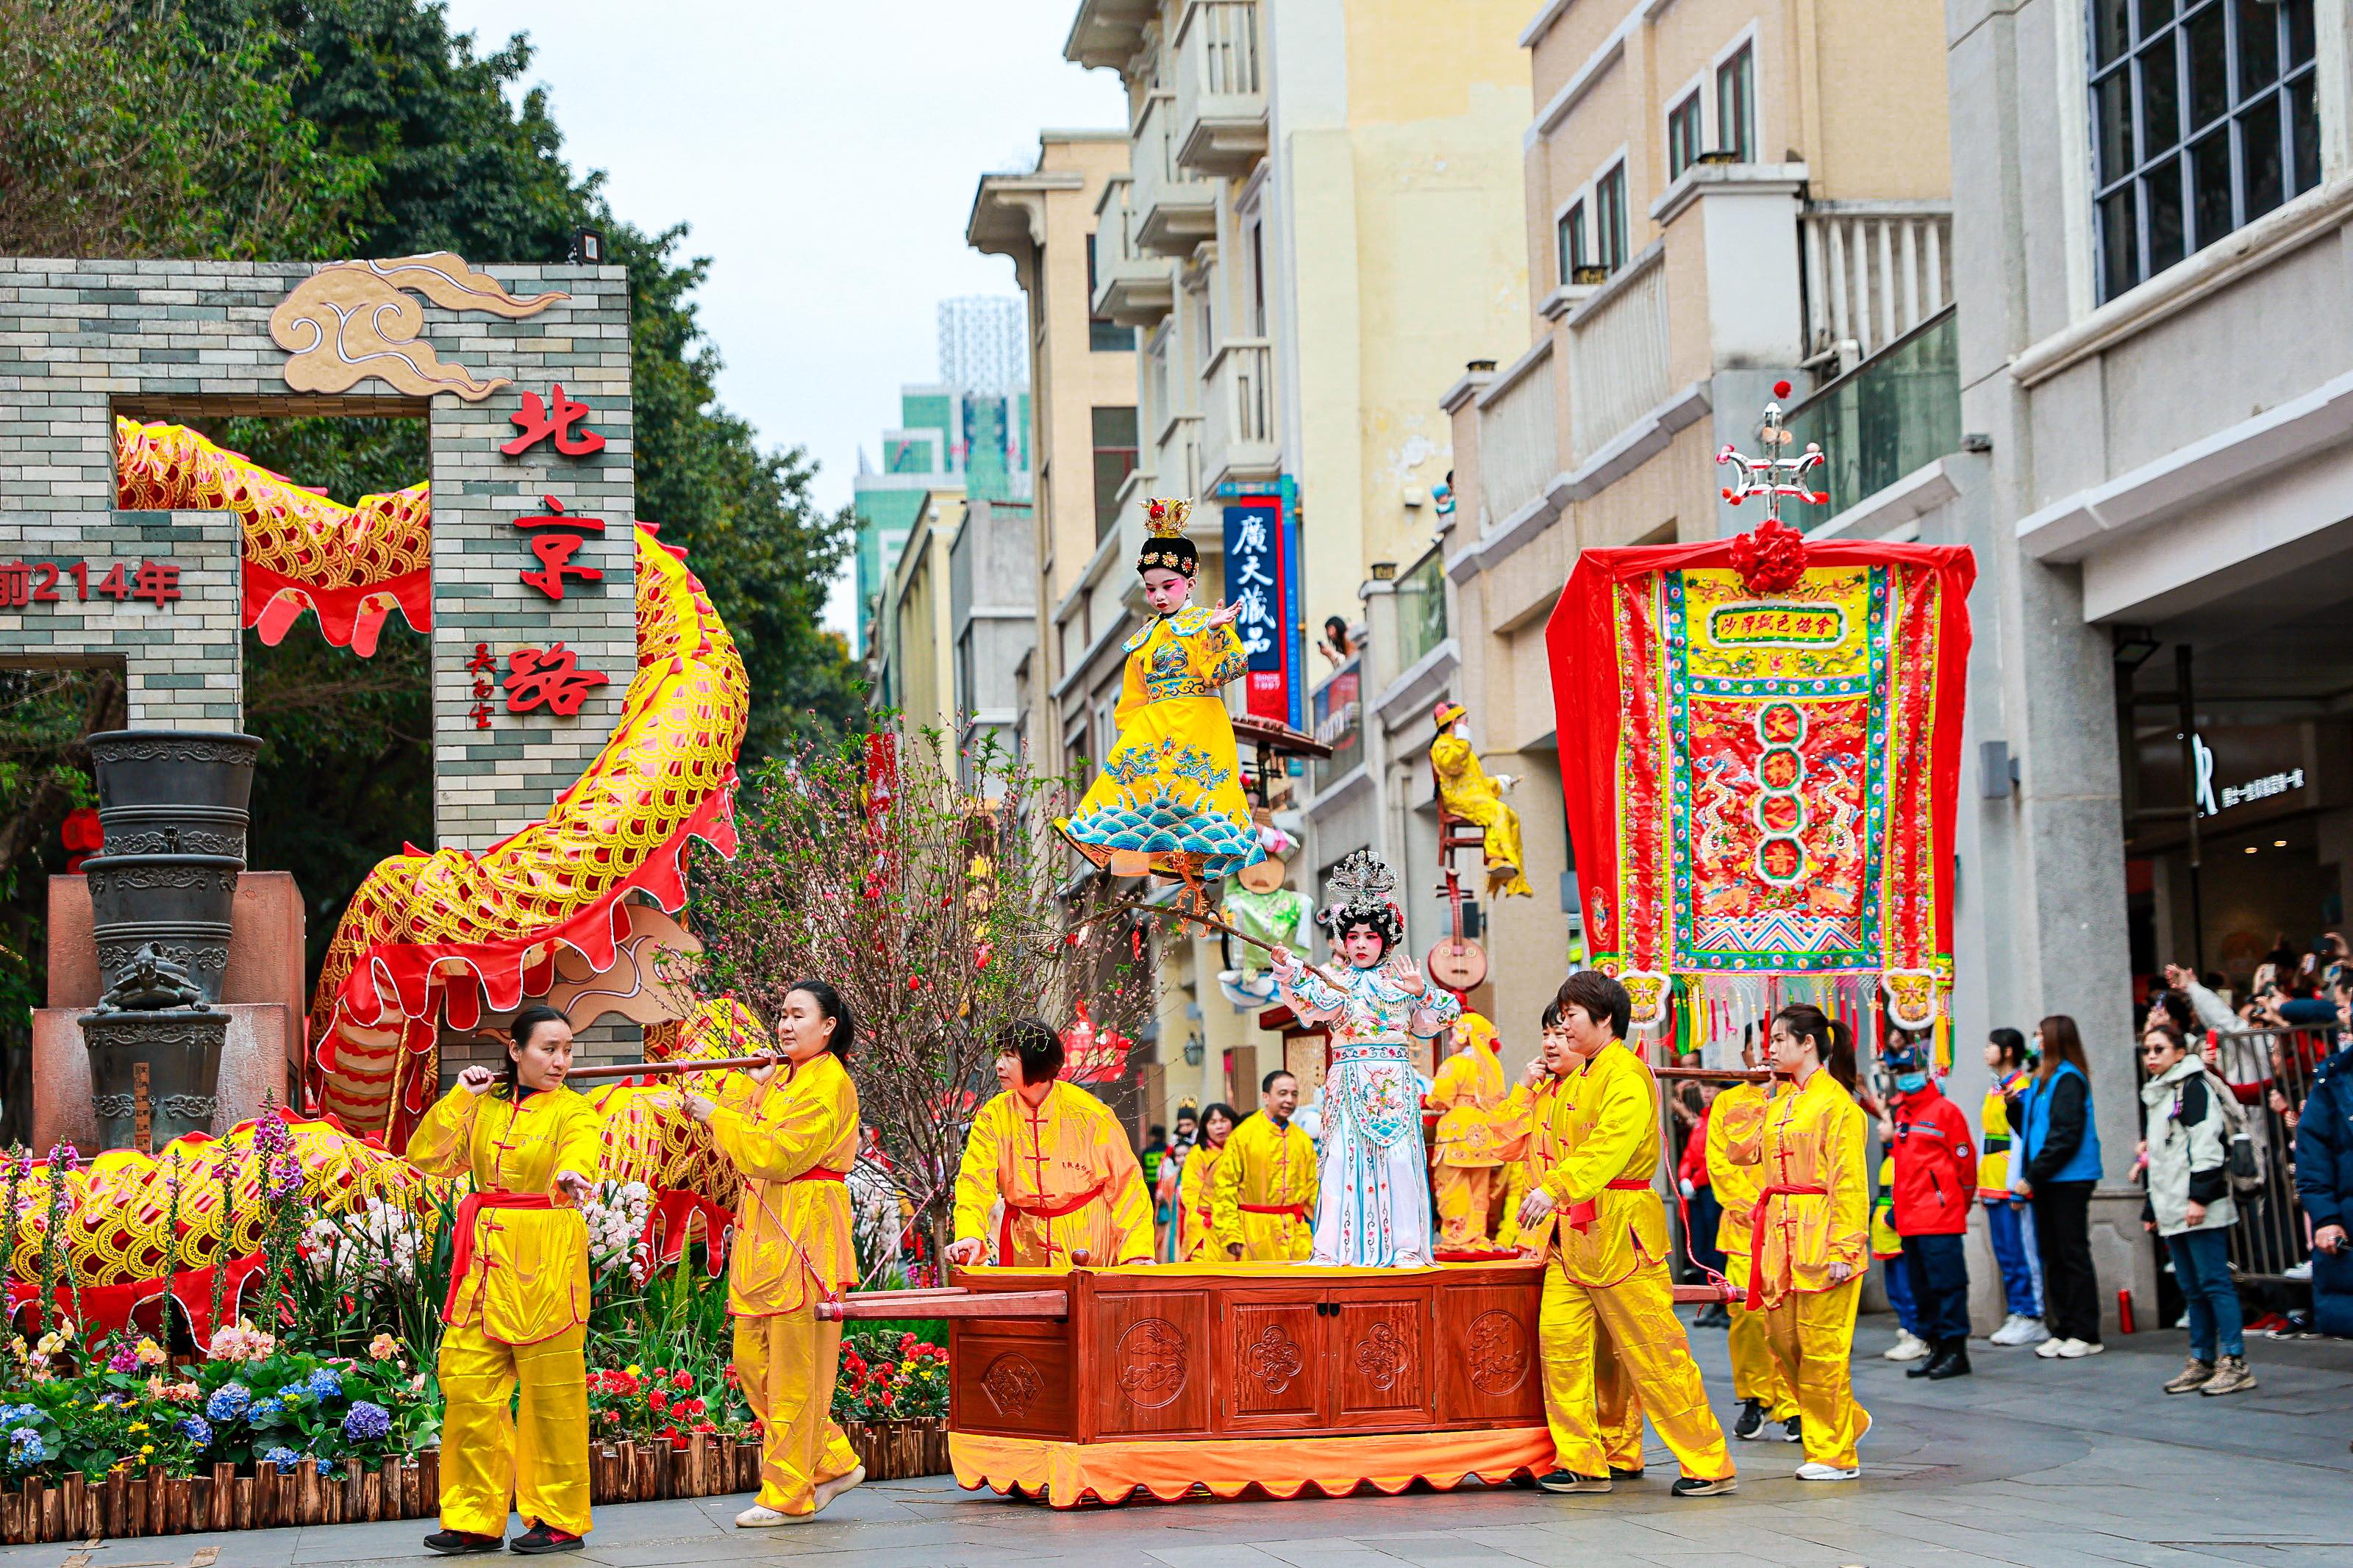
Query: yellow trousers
1754	1373
786	1365
1462	1195
1617	1408
1813	1336
1637	1315
488	1457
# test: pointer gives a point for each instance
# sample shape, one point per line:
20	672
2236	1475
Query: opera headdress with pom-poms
1164	544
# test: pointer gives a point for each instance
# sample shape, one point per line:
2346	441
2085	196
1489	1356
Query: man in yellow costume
1470	793
1472	1145
1058	1159
1262	1198
1595	1217
517	1311
1767	1406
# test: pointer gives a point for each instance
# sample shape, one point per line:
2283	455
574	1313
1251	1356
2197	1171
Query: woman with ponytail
792	1131
518	1305
1810	1225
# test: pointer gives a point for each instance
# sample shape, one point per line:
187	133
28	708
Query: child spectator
2005	1058
1936	1180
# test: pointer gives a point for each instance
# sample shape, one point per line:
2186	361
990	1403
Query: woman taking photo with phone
518	1305
1810	1242
791	1130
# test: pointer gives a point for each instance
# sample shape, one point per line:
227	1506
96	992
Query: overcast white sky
824	156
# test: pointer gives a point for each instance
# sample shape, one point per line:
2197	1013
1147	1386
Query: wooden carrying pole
669	1069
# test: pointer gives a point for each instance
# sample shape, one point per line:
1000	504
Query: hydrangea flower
285	1459
229	1402
197	1430
263	1411
26	1447
366	1421
325	1383
294	1394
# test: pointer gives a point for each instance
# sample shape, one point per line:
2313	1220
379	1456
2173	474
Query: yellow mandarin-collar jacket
1812	1137
1735	1184
1471	1091
790	1233
1602	1125
1071	1147
1266	1167
529	1282
1193	1200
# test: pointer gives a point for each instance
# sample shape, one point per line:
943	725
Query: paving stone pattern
2031	1463
81	342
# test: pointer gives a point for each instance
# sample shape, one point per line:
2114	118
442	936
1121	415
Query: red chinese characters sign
548	677
559	418
556	539
25	583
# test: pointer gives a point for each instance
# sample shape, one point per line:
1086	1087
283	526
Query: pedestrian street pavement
2041	1464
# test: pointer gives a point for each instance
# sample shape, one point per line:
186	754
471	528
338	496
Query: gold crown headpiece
1166	519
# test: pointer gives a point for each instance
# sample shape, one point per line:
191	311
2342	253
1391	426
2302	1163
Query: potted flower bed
892	1399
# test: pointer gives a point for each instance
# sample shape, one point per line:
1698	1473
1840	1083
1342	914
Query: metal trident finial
1773	475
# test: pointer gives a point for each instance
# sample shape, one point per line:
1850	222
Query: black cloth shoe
1617	1475
1570	1481
539	1539
1940	1352
1793	1430
1953	1362
1750	1421
457	1542
1695	1486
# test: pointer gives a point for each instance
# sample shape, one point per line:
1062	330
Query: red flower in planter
682	1380
657	1402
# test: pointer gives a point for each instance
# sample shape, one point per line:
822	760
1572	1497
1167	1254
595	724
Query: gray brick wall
81	342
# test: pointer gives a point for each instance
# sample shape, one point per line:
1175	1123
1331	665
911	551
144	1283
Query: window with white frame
1684	132
2205	116
1569	236
1736	105
1609	219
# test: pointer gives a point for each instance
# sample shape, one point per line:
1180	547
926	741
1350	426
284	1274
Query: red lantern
84	835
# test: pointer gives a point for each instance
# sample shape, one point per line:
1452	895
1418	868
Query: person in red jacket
1936	1184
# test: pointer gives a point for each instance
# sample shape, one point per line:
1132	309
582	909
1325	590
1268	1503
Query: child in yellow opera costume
1263	1203
1169	799
1196	1185
1473	1146
1473	794
517	1310
1058	1159
1811	1236
1596	1218
793	1134
1767	1406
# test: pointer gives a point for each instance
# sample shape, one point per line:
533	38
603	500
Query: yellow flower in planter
137	1426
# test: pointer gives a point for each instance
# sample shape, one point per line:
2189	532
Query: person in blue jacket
2323	1184
2061	1168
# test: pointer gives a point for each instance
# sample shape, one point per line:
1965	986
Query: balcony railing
1131	288
1518	440
1239	402
1896	412
1873	272
1618	354
1220	126
1173	211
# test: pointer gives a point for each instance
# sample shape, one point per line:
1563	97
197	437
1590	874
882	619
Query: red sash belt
1037	1212
1757	1233
1296	1211
1579	1216
461	1255
817	1173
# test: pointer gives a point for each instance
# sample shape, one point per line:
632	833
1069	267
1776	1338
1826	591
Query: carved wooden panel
1490	1372
1013	1377
1381	1371
1275	1375
1152	1362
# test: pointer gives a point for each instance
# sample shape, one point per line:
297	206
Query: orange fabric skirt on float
1066	1475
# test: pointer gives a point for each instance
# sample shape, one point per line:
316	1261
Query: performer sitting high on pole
794	1136
1810	1229
1169	799
1265	1187
1372	1203
1061	1161
1603	1230
1473	795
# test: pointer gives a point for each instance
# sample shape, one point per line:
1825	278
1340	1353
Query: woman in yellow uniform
1471	1150
1169	799
1768	1409
1809	1241
1195	1240
517	1310
793	1137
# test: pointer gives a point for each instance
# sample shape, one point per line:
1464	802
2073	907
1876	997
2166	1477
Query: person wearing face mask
1936	1184
1169	799
517	1311
792	1133
1473	795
